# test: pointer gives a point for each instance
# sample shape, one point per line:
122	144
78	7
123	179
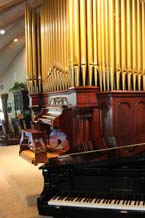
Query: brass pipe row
33	51
90	42
55	48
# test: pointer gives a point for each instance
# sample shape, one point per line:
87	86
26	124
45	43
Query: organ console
67	124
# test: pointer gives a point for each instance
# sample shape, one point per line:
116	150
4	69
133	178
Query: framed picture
10	108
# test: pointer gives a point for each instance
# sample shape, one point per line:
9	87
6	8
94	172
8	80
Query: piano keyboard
99	201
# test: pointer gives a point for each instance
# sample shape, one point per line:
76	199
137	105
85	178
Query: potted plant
18	86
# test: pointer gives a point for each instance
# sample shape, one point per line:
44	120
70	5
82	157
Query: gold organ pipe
46	45
71	55
106	35
43	36
76	45
49	23
58	35
26	38
76	73
117	43
34	44
95	32
134	43
90	38
138	46
128	33
76	33
111	42
90	31
62	34
128	40
139	58
38	46
117	34
67	40
103	45
65	36
143	36
47	39
61	44
123	44
99	44
49	36
95	47
29	43
28	47
54	34
138	38
45	42
69	66
71	9
143	43
83	42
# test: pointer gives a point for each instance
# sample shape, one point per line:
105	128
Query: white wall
16	71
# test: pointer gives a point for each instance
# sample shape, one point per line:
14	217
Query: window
1	112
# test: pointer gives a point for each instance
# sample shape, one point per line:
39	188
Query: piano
67	124
99	188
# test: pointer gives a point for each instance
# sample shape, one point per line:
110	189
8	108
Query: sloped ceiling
12	20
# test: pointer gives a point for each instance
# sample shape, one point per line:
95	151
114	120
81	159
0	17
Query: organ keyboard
50	115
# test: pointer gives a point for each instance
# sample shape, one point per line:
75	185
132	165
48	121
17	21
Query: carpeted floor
20	185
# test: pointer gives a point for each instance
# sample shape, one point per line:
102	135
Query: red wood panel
123	120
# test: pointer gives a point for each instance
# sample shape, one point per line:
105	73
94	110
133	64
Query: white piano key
102	204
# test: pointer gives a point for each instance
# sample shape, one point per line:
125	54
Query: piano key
90	202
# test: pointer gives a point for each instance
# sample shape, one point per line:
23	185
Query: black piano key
99	198
92	197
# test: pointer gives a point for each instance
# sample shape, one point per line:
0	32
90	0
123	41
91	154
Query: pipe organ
95	42
87	43
86	67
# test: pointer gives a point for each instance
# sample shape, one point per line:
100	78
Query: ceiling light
15	40
2	32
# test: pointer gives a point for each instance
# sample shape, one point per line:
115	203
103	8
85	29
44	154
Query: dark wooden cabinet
21	106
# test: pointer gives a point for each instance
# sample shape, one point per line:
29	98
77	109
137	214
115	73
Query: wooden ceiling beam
7	5
9	43
10	20
4	24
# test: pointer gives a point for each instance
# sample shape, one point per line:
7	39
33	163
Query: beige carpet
20	185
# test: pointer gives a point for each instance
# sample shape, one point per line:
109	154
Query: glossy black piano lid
123	177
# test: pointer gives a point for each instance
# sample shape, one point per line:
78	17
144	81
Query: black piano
115	186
